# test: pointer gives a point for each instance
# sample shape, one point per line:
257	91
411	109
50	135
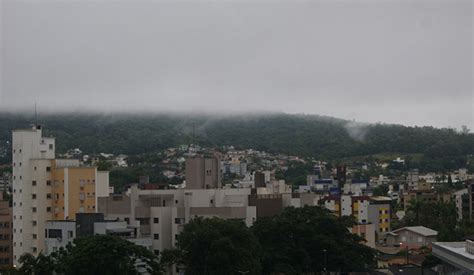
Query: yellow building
75	189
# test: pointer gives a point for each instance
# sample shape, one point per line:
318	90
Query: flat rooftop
458	248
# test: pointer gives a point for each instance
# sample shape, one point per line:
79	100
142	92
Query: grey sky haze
406	62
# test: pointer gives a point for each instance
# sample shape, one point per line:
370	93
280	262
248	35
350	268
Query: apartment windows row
5	237
57	233
157	220
14	151
48	196
82	182
383	211
383	220
4	248
35	183
35	209
4	261
4	225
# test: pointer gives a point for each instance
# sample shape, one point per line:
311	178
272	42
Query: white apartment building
47	189
161	214
31	156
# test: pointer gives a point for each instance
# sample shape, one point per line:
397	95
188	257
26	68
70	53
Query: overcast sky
406	62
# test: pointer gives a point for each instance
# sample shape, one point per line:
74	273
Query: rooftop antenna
36	116
194	133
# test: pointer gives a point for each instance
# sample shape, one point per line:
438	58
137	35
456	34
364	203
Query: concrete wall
68	233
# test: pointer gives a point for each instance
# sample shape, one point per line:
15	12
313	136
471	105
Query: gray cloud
408	62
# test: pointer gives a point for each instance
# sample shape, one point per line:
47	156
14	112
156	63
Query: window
176	201
48	183
48	196
156	236
48	209
127	220
34	209
157	252
35	249
35	236
156	220
212	201
35	168
33	183
177	221
70	234
143	221
51	147
48	169
20	163
404	239
53	233
34	223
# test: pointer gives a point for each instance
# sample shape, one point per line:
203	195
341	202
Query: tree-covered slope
306	135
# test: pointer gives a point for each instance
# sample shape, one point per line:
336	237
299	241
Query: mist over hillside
305	135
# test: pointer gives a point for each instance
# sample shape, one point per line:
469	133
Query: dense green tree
99	254
304	240
440	216
381	190
103	165
216	246
40	265
105	254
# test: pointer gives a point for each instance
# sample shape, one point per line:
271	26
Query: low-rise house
412	237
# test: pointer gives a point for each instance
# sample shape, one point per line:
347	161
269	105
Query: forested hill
306	135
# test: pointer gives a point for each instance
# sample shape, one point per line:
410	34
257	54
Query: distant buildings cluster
57	200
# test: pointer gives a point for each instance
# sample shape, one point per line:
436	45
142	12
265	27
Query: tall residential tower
45	188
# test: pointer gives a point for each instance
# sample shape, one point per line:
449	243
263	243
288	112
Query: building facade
6	237
203	173
45	188
162	214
